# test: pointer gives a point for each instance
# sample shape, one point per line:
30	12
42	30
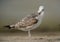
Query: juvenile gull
29	22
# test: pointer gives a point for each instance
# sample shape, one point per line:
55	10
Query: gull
29	22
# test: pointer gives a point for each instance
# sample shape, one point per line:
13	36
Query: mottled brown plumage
27	22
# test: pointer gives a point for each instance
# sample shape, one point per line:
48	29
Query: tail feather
8	26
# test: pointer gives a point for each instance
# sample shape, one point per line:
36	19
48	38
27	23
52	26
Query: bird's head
41	9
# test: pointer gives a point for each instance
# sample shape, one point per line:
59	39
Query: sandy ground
33	39
20	36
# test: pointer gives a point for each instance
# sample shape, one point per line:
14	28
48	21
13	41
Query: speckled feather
27	21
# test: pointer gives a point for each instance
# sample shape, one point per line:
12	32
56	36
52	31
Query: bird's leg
29	34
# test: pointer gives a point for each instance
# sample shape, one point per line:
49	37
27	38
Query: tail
10	26
40	10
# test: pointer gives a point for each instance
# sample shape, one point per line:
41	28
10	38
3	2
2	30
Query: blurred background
12	11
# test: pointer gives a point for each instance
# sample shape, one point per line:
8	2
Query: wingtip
7	26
